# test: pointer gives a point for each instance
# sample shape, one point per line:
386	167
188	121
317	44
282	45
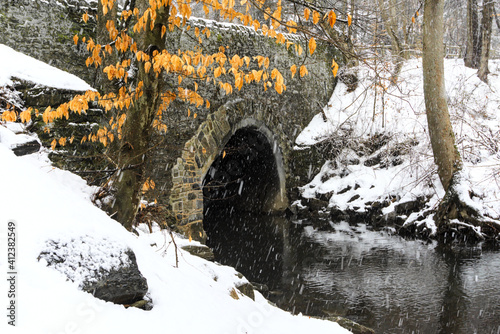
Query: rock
410	206
200	250
373	161
325	197
44	29
346	189
262	288
353	198
315	204
337	215
125	285
145	304
26	148
246	289
104	268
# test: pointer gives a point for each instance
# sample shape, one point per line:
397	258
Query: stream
372	277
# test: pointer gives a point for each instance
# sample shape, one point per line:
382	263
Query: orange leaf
300	50
349	20
316	17
25	115
307	12
332	18
53	144
85	17
335	67
75	39
303	71
217	72
312	45
293	69
413	19
278	88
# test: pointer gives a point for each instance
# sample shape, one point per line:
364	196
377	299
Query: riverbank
379	165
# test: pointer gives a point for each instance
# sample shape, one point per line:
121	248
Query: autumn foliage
227	73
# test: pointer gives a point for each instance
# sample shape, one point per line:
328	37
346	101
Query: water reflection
380	280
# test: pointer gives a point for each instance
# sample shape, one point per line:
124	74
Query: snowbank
21	66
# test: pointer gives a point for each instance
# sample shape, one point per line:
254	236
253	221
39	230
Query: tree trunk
495	15
455	218
473	50
441	134
136	131
389	16
486	26
102	83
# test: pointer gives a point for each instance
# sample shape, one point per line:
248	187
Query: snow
398	112
14	137
21	66
50	204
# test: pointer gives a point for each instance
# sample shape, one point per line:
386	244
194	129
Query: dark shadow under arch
240	191
244	176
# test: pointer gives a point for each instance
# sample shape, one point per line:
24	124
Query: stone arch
201	151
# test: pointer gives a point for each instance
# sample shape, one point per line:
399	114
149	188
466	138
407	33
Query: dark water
379	280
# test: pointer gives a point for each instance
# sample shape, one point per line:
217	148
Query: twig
175	246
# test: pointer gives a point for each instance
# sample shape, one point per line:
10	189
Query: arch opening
244	176
241	188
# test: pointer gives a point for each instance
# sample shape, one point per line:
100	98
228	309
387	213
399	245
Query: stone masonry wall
44	29
185	152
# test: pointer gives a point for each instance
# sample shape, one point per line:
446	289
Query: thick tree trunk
138	127
473	50
441	134
486	26
456	218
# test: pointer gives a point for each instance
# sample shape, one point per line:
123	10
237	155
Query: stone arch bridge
241	149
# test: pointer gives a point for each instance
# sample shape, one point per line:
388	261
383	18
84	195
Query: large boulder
106	269
123	285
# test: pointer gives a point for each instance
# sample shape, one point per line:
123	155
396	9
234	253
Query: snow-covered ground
46	203
397	112
50	204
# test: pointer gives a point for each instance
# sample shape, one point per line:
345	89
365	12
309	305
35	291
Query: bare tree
473	50
486	27
445	151
453	210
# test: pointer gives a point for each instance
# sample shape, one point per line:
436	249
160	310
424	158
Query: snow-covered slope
47	203
21	66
